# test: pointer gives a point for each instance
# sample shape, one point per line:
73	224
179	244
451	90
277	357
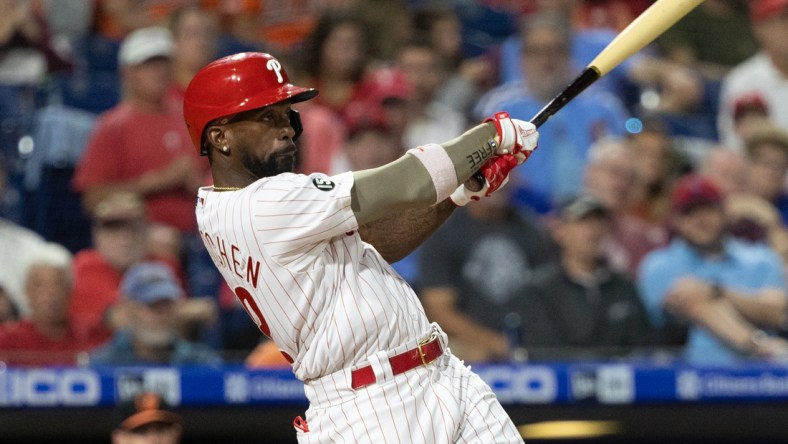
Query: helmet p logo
275	66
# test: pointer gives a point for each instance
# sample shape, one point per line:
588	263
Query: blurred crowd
649	224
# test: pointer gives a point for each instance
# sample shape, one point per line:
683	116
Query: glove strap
507	133
462	195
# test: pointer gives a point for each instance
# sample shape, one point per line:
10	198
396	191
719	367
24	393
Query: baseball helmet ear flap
295	123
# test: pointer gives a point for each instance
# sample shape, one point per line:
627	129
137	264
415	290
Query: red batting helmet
237	83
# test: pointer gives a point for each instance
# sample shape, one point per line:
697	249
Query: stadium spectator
767	154
752	218
547	67
764	75
27	51
46	336
587	40
333	60
466	78
749	113
677	94
17	243
428	119
142	145
195	35
579	306
115	19
151	295
317	154
657	163
147	419
727	169
371	143
68	20
387	95
724	289
392	23
606	14
26	59
467	281
609	177
679	79
120	240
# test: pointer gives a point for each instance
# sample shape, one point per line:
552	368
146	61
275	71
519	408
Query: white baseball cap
144	44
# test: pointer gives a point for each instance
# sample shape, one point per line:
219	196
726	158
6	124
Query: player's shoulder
312	181
302	183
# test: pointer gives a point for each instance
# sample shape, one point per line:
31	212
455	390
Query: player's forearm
397	235
407	183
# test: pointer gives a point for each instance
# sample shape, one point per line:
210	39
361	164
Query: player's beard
277	163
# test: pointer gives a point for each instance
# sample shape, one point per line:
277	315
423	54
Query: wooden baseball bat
643	30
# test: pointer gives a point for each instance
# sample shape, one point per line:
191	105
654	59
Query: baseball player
308	257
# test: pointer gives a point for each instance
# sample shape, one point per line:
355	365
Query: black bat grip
583	81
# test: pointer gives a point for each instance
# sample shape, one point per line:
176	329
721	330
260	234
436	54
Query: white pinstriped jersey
289	248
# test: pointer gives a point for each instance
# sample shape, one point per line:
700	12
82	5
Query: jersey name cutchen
244	266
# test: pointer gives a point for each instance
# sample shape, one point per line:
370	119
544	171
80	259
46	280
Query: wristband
462	195
440	168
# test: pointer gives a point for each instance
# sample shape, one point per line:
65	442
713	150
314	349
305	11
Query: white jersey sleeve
298	215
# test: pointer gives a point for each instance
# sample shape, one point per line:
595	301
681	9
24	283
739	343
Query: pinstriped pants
442	403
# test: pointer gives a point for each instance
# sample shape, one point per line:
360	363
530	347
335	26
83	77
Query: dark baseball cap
581	206
693	190
150	282
145	409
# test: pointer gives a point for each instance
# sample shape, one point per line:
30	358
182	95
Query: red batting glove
496	175
514	135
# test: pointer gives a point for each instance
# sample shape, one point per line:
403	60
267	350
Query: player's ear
216	138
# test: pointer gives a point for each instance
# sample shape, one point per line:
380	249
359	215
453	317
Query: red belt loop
426	351
300	424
